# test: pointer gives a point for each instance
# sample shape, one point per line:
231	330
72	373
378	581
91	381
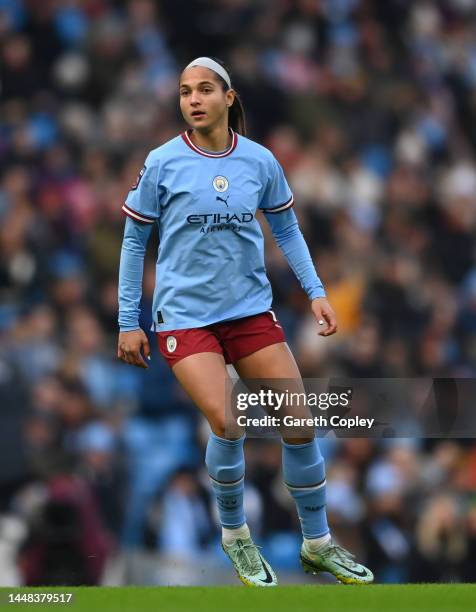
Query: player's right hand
129	347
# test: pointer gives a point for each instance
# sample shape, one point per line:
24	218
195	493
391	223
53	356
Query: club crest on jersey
171	343
220	184
139	176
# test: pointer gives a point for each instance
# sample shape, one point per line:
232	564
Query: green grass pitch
322	598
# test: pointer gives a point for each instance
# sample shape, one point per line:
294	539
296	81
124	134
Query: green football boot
336	560
251	567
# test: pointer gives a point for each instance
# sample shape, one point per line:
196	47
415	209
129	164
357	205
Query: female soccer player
212	301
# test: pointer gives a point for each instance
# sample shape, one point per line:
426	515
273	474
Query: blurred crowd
371	109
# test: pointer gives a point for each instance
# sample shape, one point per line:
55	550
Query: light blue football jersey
210	264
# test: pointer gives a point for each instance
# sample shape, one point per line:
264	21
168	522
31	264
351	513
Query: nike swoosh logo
269	578
361	574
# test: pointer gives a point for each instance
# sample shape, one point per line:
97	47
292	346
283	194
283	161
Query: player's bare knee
226	428
219	427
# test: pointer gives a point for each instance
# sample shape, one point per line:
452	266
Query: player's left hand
324	316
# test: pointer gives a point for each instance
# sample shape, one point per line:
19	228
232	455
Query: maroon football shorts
232	339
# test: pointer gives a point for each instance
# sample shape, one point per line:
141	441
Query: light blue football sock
305	477
225	462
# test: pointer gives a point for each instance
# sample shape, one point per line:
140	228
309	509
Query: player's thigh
274	367
273	361
206	380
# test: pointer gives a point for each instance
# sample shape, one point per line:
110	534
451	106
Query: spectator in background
56	551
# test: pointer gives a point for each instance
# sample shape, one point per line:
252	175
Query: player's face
203	102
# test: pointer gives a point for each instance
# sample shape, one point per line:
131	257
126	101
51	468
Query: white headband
206	62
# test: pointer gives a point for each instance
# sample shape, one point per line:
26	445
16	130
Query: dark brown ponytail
236	113
236	116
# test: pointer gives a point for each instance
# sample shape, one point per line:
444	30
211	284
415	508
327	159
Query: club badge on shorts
171	343
220	184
